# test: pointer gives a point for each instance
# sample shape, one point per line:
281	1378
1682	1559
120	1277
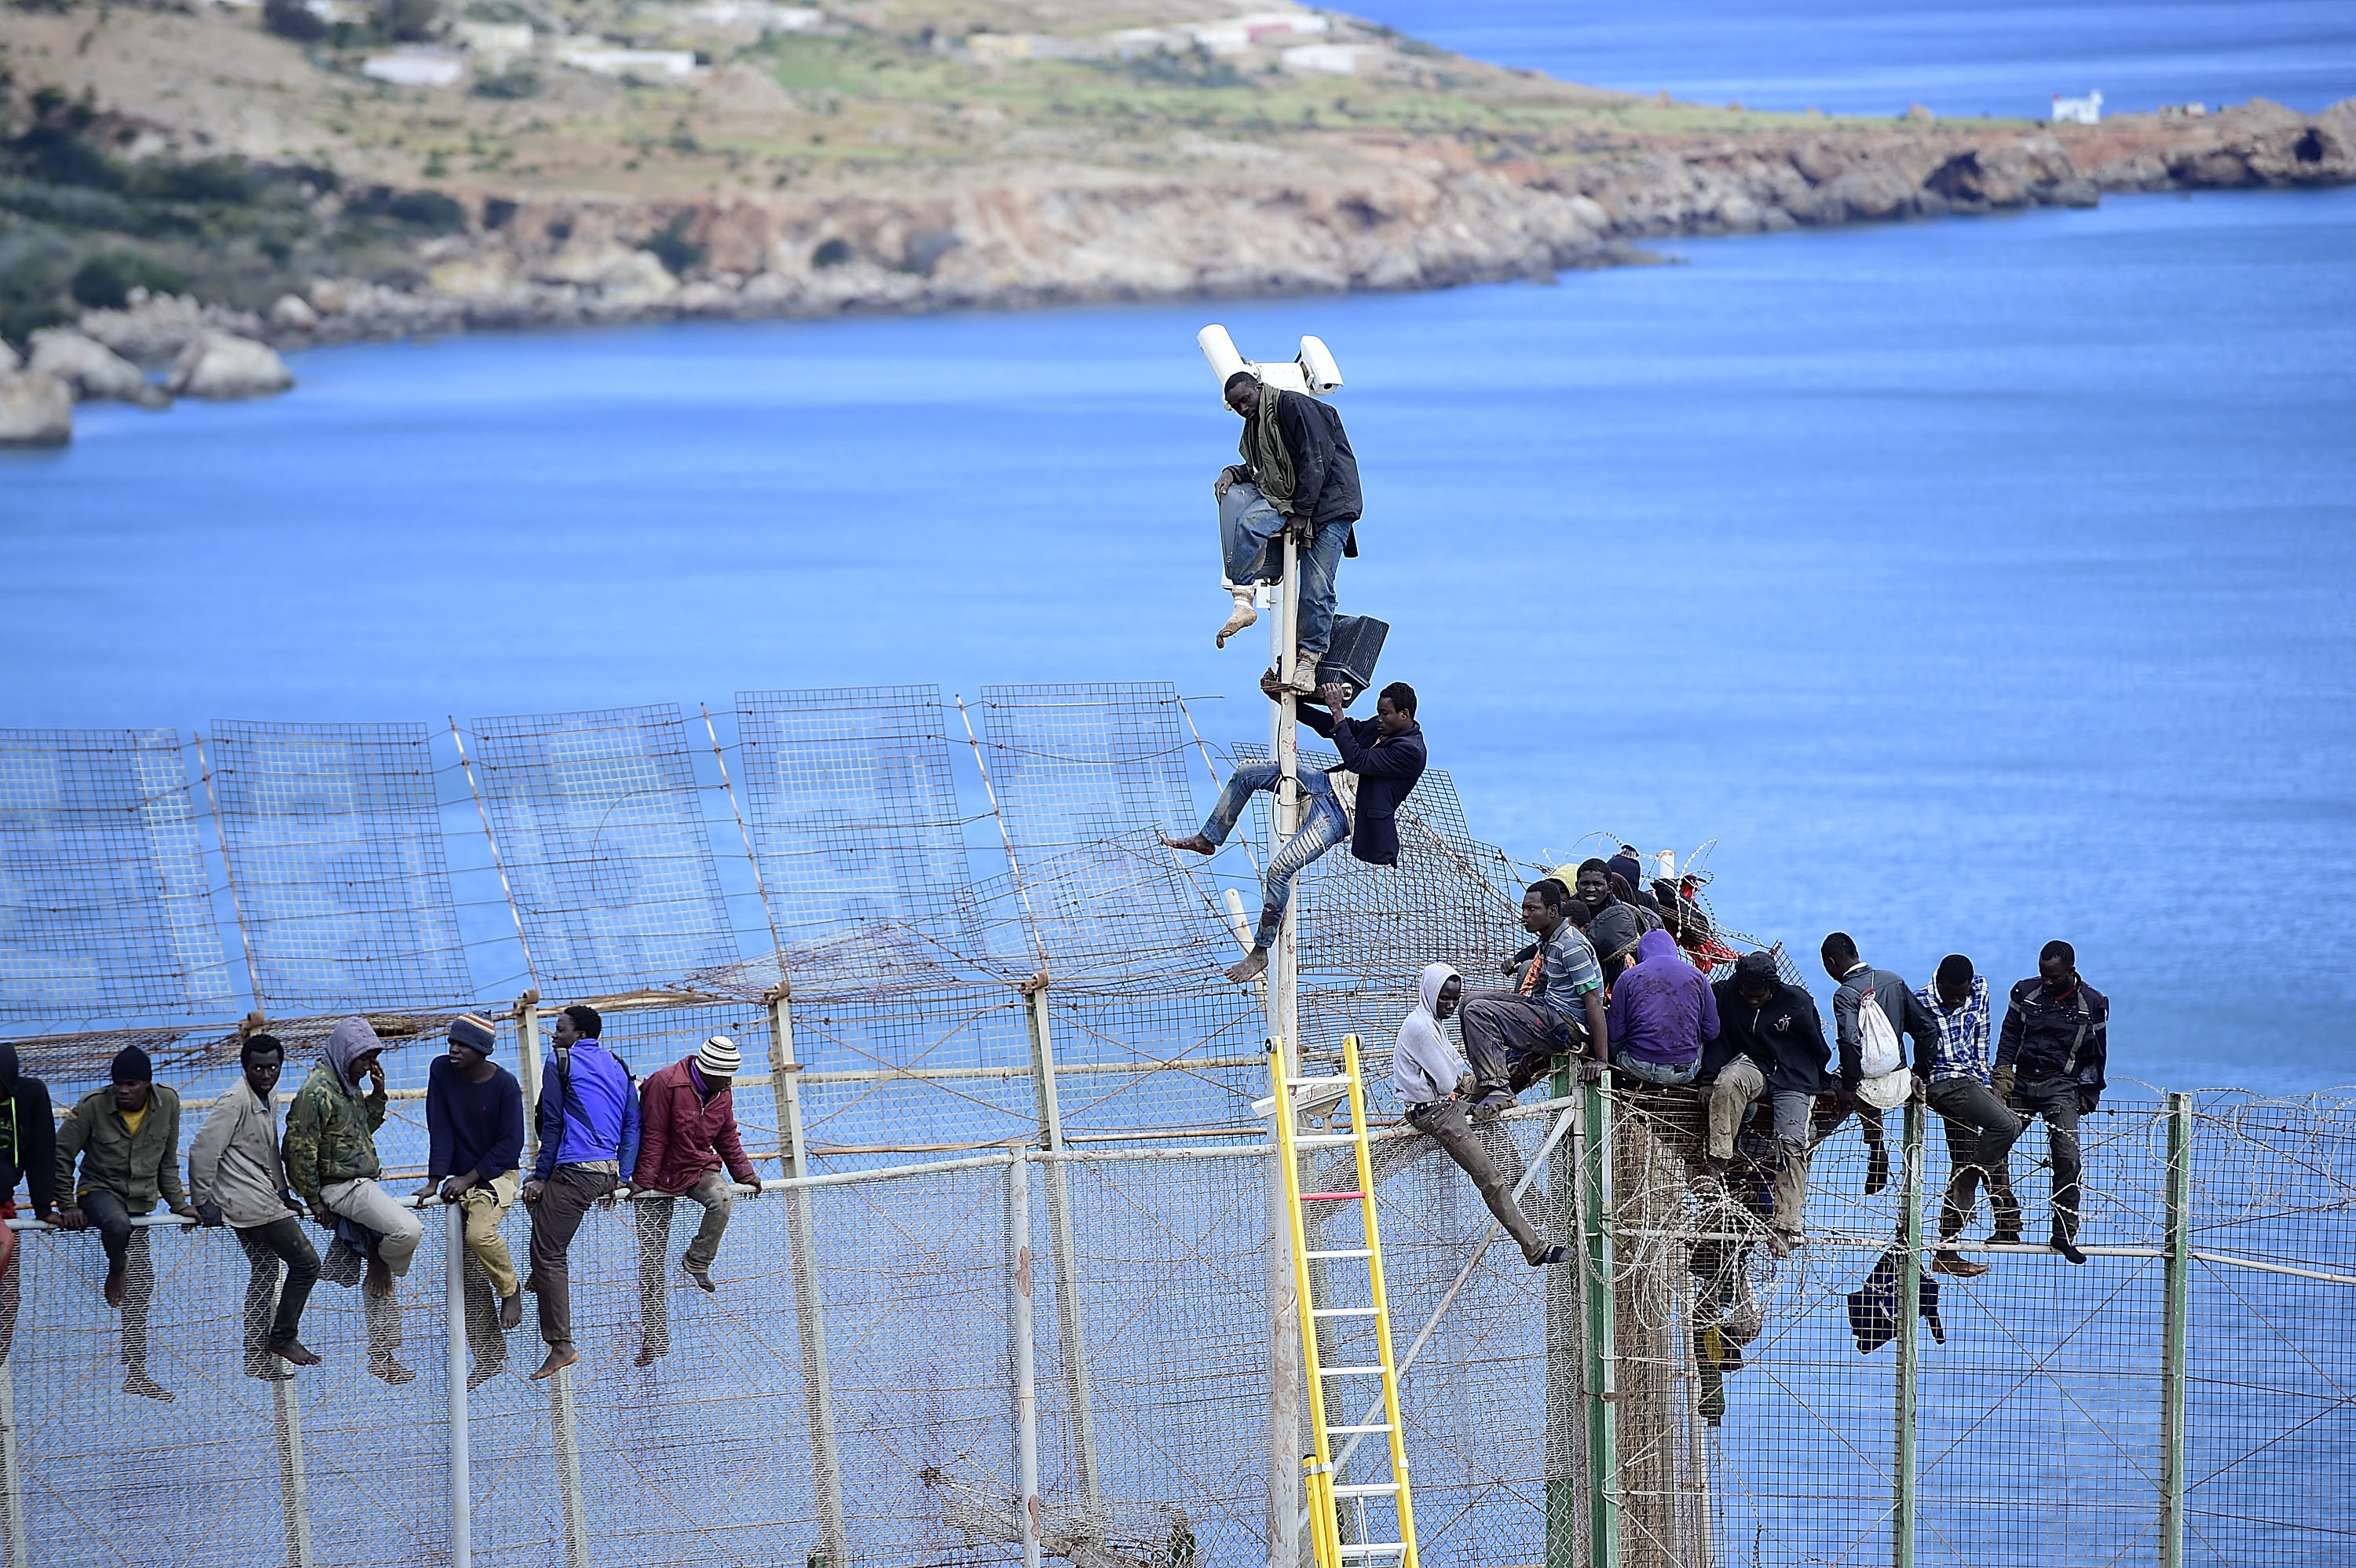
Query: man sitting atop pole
1298	471
588	1123
236	1175
1382	758
127	1138
474	1146
1510	1035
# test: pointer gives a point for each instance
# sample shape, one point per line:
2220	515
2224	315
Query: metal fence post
810	1304
1026	1388
568	1469
2173	1354
1564	1432
11	1460
526	1016
1597	1270
454	1308
1285	1390
1907	1501
1069	1328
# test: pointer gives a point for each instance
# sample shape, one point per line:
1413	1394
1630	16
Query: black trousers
555	1219
266	1246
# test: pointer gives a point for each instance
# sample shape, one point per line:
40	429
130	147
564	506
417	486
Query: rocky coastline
1399	213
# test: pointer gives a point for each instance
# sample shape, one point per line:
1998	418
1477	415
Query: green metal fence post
1596	1271
2173	1354
1909	1341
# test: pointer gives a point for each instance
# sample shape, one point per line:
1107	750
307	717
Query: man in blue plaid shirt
1980	1127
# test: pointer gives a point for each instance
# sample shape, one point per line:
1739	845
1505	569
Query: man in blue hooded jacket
588	1123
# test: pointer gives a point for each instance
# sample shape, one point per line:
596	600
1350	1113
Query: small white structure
417	67
2086	110
1327	59
761	14
601	58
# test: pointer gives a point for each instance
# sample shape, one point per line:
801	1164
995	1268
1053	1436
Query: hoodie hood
353	1038
1655	944
1427	985
11	1069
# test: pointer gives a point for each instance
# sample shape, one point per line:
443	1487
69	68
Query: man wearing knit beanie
127	1138
473	1129
688	1131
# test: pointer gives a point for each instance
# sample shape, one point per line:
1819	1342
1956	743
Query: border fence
1016	1201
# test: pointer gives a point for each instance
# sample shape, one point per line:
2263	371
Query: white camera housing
1313	370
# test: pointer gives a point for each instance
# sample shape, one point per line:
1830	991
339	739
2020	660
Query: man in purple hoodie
1662	1013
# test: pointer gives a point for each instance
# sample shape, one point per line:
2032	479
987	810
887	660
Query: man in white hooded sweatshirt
1425	1071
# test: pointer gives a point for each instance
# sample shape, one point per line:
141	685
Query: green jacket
331	1134
135	1167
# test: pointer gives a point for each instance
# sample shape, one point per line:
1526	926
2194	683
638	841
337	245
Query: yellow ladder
1325	1495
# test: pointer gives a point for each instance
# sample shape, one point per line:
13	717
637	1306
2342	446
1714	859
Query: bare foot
1249	967
1194	841
114	1290
380	1278
297	1351
559	1358
511	1312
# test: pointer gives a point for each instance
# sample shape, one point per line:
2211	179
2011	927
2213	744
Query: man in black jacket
1296	459
2049	1062
1772	1044
29	1153
1382	758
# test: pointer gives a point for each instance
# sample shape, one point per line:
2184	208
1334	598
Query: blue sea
1964	584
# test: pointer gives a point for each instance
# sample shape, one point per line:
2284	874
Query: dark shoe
1962	1267
146	1387
2063	1243
1877	1168
382	1365
484	1372
112	1290
559	1358
1549	1257
2005	1238
702	1277
294	1351
646	1357
1489	1107
511	1312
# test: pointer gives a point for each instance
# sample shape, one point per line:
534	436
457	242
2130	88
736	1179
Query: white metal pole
461	1486
1284	1324
1026	1389
295	1488
810	1307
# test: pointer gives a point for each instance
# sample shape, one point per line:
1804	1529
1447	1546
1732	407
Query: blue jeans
1249	551
1656	1072
1327	828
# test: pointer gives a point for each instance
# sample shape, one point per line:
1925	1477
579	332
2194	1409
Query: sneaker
1550	1257
384	1366
1490	1108
2067	1245
1305	673
702	1277
146	1387
1962	1267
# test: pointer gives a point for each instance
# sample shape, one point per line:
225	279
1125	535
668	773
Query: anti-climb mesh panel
853	811
1087	777
334	844
103	909
601	831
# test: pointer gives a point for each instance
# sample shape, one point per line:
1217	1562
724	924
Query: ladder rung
1341	1252
1342	1312
1328	1197
1371	1548
1323	1140
1316	1083
1349	1371
1385	1426
1381	1488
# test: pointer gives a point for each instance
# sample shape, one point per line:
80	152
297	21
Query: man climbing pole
1382	758
1296	472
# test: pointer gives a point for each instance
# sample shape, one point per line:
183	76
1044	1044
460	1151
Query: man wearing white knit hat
687	1133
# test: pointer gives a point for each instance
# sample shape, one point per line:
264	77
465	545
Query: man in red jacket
687	1131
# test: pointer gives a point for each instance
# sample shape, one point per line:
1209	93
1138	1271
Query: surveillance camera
1313	372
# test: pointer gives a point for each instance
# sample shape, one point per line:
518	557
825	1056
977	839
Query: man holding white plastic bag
1872	1011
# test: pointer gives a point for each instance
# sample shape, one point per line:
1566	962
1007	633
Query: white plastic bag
1877	1041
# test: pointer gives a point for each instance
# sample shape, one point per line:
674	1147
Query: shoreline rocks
223	365
1395	213
91	370
35	409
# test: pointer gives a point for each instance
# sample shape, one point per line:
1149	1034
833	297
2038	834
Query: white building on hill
2086	110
